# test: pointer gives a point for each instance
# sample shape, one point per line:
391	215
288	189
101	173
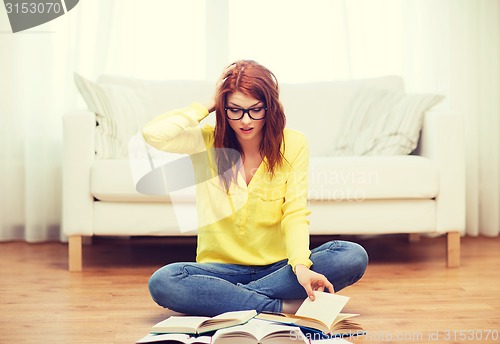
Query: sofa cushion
123	105
119	110
164	95
140	219
111	181
330	178
373	217
383	122
317	108
360	178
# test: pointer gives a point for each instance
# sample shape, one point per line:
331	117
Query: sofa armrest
442	141
78	156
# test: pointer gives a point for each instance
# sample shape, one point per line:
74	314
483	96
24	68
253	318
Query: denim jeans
213	288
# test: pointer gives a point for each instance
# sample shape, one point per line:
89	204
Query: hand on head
224	75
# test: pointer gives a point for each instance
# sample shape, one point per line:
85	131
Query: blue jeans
213	288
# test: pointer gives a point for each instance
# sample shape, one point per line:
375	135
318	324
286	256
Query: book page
343	316
238	315
242	316
325	308
187	324
259	329
227	319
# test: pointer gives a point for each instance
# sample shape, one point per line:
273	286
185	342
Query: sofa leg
414	237
75	253
453	249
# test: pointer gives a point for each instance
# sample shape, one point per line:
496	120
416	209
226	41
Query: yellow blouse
258	224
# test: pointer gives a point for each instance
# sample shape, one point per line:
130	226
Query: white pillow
317	108
383	122
120	111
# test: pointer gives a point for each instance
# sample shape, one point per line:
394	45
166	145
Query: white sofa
422	192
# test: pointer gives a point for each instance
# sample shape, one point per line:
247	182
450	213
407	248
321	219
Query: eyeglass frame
246	111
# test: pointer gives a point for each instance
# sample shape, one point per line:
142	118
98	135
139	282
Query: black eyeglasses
256	113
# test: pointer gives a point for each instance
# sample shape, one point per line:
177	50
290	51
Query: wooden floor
406	296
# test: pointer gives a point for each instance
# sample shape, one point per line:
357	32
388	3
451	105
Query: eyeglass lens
238	113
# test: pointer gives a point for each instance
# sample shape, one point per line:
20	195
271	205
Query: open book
250	333
322	314
260	332
197	325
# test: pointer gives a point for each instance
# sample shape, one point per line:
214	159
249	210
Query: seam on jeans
271	274
207	269
280	305
205	277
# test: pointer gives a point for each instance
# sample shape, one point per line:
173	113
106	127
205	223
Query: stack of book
319	321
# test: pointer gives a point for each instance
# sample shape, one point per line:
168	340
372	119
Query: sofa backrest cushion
383	122
123	105
317	109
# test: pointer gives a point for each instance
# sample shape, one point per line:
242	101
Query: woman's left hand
312	281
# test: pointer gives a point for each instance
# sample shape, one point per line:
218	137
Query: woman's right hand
210	106
224	75
312	281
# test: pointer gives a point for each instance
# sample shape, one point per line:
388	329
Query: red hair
256	81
